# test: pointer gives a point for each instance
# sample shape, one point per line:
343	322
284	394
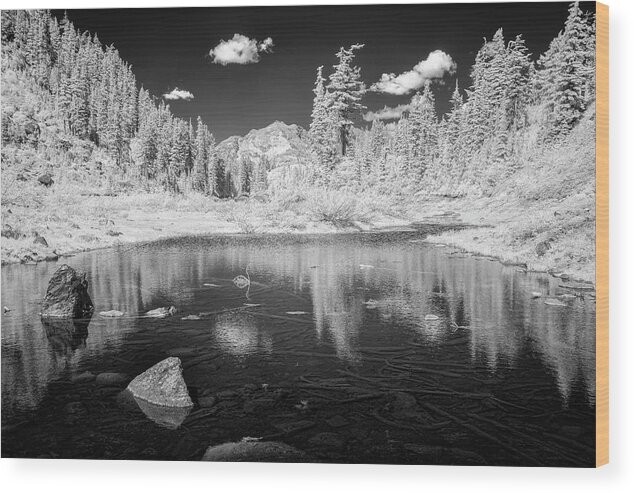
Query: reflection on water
237	333
66	335
343	293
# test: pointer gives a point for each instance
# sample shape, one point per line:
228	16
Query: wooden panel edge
602	235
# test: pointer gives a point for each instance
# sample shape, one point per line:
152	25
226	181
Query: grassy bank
71	219
546	237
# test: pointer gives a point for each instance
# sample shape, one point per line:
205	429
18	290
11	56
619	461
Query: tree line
470	149
96	95
478	142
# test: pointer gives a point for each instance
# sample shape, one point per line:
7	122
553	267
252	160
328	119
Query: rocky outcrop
162	384
67	295
280	150
253	451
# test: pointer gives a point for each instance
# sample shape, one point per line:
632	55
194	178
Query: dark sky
168	47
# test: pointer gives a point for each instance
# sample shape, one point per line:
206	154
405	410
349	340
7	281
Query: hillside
543	215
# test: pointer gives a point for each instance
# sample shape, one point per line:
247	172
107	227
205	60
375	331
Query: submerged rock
327	440
433	454
112	378
162	384
67	295
337	421
251	451
404	405
74	413
83	377
207	401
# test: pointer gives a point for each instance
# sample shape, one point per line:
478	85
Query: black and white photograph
353	234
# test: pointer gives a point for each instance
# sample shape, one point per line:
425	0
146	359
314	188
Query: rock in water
112	379
67	295
161	312
163	385
111	313
554	302
254	452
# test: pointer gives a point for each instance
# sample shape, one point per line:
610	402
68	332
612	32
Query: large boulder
163	385
252	451
67	295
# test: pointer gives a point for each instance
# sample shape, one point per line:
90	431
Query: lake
356	348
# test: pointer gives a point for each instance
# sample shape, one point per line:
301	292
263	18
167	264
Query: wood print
345	234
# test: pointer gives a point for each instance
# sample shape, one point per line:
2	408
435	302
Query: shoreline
142	228
465	232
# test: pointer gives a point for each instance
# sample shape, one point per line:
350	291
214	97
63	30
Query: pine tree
214	184
450	139
519	73
322	130
565	77
346	90
179	150
78	111
200	180
423	130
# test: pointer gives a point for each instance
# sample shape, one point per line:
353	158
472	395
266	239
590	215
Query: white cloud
437	64
240	49
266	45
177	93
387	113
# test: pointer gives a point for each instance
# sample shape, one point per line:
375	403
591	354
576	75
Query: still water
369	347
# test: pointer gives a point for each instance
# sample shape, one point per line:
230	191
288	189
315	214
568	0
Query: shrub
333	207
